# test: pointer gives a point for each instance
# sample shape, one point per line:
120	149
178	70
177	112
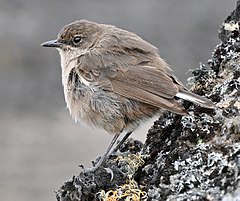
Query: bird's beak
51	43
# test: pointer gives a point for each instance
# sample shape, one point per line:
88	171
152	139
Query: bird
113	79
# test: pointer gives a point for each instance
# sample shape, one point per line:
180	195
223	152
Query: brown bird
114	79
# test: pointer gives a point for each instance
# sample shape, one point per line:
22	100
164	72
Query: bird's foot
97	169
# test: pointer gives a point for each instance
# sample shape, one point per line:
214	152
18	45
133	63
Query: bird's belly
95	107
77	101
106	110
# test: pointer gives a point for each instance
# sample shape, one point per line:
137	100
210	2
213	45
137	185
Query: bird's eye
77	40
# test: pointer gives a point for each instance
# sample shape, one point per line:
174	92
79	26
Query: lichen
129	192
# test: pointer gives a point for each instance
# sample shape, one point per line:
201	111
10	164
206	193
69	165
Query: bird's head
75	39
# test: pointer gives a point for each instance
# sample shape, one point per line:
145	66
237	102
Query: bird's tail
189	96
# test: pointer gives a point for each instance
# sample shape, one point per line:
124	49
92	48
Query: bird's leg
122	141
104	156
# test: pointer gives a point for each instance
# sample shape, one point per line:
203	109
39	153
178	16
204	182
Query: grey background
40	146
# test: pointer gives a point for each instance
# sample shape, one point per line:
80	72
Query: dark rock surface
193	157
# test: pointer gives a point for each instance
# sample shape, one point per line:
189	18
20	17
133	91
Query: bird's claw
109	170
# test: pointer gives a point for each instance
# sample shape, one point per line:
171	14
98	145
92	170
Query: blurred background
40	145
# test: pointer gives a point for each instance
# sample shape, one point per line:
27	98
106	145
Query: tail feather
189	96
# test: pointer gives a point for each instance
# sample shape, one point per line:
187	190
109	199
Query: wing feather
141	95
148	79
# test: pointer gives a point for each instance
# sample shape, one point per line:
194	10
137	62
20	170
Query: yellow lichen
128	192
132	162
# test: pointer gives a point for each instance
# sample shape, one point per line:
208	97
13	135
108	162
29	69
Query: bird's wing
147	84
149	79
144	96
